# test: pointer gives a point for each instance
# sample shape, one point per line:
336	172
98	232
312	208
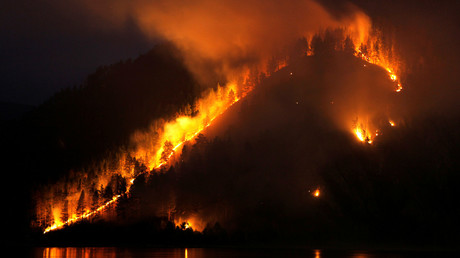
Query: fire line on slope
88	214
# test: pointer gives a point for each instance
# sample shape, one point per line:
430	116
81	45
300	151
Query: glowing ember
316	193
399	87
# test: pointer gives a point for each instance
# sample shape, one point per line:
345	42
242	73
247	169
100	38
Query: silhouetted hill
256	170
80	125
250	177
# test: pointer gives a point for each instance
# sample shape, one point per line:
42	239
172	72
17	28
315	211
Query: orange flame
177	132
372	52
184	128
153	148
316	193
191	222
362	134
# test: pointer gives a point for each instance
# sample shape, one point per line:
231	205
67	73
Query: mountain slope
251	177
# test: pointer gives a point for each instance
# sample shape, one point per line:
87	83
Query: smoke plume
220	37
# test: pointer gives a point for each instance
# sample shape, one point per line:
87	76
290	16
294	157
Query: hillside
251	177
83	124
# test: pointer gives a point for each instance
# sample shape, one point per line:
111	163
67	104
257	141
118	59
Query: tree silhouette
168	150
81	203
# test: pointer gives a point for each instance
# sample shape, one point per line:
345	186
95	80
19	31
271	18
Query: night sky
45	47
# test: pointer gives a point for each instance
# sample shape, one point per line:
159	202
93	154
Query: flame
177	132
374	52
183	128
362	134
366	44
399	87
375	55
316	193
391	74
192	222
58	224
154	148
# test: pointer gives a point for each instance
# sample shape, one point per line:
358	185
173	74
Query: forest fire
378	58
87	214
176	133
83	197
374	52
155	148
246	127
184	128
86	194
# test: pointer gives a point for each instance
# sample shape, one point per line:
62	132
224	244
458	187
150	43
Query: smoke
221	37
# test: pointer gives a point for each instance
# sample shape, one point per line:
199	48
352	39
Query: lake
114	252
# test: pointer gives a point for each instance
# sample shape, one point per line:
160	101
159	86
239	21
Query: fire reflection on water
71	252
109	252
317	253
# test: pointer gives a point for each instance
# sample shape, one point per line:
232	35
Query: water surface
114	252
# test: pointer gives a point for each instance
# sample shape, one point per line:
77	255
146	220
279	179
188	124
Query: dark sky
44	48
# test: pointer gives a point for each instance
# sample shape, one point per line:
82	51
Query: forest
250	178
